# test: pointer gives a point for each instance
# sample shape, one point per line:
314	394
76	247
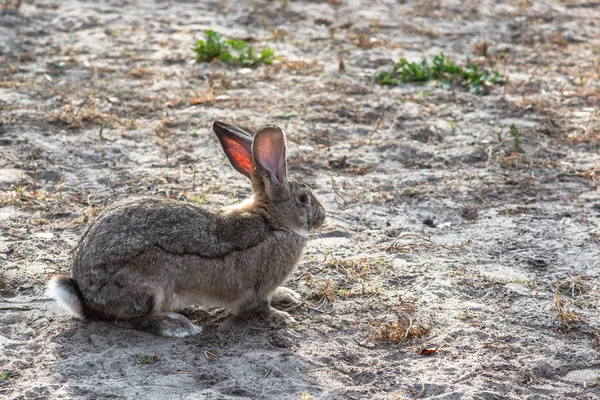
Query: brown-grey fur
145	258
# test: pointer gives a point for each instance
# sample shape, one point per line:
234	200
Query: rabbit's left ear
269	150
237	146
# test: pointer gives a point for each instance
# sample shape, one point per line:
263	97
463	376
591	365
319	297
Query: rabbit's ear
269	154
237	146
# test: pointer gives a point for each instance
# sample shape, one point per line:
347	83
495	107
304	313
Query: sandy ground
436	225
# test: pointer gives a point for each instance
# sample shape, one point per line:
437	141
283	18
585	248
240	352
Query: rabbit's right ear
237	146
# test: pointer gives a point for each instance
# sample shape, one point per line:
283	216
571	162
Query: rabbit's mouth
316	219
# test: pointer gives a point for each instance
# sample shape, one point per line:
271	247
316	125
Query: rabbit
145	259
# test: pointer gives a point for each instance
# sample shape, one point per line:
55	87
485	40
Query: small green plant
10	374
531	283
200	199
231	51
448	74
146	358
306	396
514	132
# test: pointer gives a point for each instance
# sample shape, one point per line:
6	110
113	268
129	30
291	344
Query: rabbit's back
129	228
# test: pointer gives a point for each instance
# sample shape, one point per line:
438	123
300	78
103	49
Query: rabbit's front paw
279	318
283	295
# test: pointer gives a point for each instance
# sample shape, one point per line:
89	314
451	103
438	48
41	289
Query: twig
34	175
317	310
5	300
268	373
15	308
410	324
377	124
311	272
420	393
494	342
427	240
194	175
335	191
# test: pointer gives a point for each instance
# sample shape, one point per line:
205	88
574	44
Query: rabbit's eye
303	199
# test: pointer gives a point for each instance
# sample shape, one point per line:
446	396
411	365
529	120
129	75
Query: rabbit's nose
320	218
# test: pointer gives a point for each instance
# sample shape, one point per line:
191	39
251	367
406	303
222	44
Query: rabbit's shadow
94	358
223	323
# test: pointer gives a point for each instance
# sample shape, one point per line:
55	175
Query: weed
514	132
408	242
62	65
231	51
443	71
466	315
9	374
321	289
406	326
141	72
78	117
476	279
288	114
565	316
575	285
200	199
144	359
306	396
531	283
356	269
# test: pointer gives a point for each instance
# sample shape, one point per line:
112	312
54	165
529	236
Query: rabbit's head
262	159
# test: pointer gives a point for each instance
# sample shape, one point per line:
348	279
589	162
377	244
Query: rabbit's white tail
65	290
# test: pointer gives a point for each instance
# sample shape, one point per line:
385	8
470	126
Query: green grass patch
146	358
516	135
443	71
10	374
231	51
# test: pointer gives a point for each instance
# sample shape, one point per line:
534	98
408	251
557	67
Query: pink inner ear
240	156
270	152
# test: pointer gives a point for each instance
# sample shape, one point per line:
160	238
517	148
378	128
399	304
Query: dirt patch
459	259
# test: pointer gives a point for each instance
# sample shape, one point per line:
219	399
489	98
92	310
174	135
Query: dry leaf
429	351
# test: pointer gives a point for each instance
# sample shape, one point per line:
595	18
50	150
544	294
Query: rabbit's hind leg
163	324
261	311
159	318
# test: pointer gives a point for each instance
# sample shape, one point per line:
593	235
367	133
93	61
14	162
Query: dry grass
80	117
410	242
407	326
576	285
321	289
141	72
351	278
207	97
476	279
565	316
357	269
301	67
